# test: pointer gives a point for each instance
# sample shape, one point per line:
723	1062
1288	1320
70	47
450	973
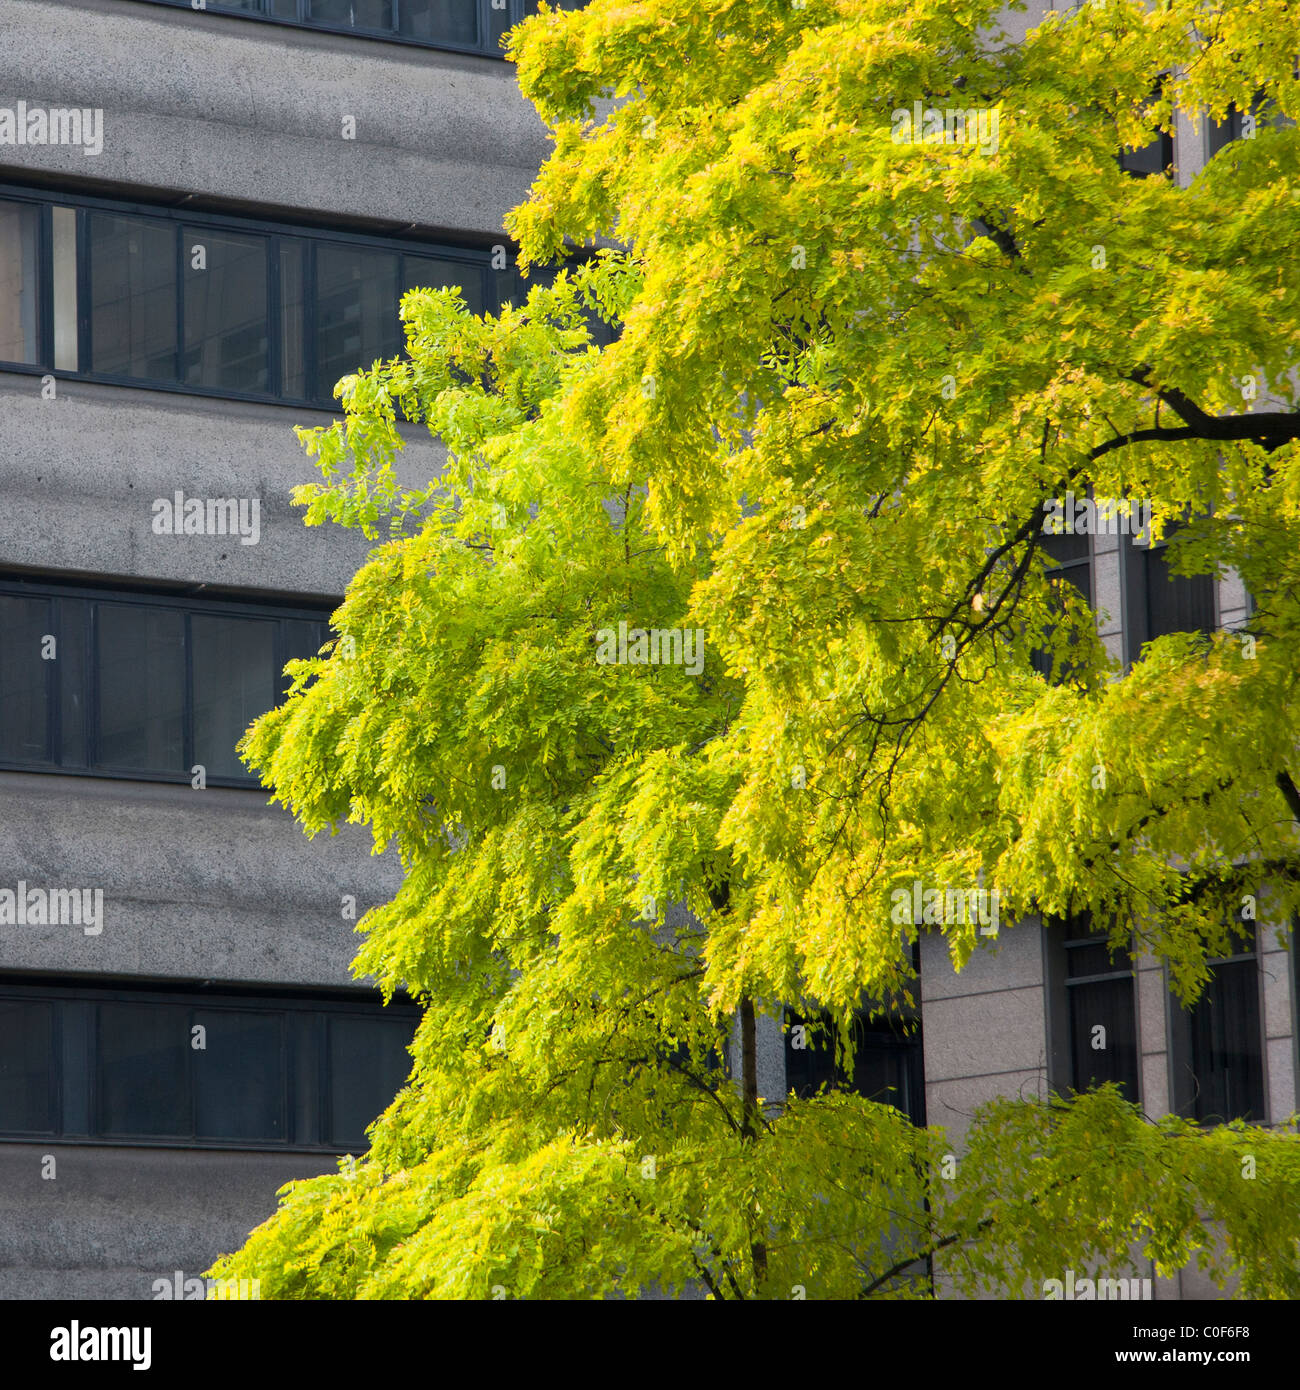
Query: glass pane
885	1067
234	682
301	639
1152	158
368	1065
1176	603
26	1067
1092	959
356	312
809	1068
446	21
239	1076
1226	1048
133	297
1103	1034
141	668
65	289
143	1088
226	327
357	14
435	273
18	281
24	676
73	616
293	307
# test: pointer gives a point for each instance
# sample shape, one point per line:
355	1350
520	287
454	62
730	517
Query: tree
856	365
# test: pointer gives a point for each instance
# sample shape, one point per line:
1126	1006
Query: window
1155	157
241	1069
474	26
1175	602
138	685
1101	1015
1156	601
1218	1044
220	306
887	1061
19	231
1072	555
1240	125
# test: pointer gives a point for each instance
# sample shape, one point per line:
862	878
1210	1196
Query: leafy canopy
851	371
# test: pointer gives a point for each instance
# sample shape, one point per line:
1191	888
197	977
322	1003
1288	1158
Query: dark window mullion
54	684
192	1072
178	375
187	715
45	287
274	319
84	363
311	386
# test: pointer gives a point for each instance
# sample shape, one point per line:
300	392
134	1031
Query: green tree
852	370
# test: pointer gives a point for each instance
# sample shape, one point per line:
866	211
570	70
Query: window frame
1062	1076
276	235
53	593
516	11
1185	1093
313	1011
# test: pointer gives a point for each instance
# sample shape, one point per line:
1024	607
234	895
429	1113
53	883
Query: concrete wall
219	107
212	884
983	1029
80	473
113	1220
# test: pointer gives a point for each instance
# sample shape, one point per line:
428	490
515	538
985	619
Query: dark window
235	681
26	624
1101	1012
1175	602
139	685
27	1067
220	306
474	25
1072	564
140	665
19	231
238	1070
227	313
887	1061
356	311
1236	125
1219	1044
1155	157
143	1088
239	1079
132	297
367	1058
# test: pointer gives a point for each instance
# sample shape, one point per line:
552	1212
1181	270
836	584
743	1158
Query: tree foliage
851	371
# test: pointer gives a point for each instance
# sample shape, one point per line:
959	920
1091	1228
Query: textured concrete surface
80	474
222	108
114	1220
210	884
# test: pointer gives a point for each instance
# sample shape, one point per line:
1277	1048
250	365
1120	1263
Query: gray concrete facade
237	117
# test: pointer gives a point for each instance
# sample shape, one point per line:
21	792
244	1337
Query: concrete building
219	235
185	270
